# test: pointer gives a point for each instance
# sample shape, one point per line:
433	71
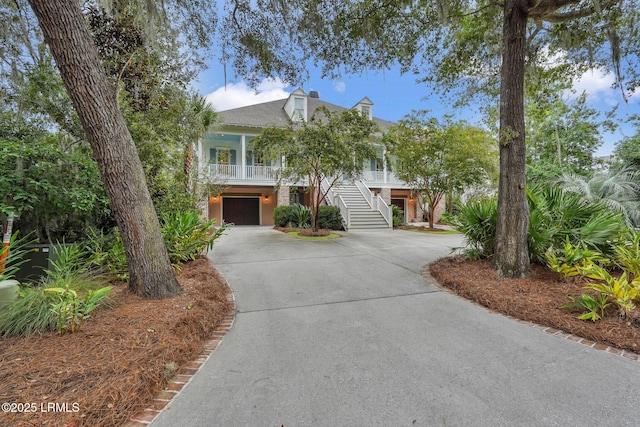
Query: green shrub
571	260
301	215
397	215
298	216
283	216
477	220
329	217
62	301
627	254
186	236
555	216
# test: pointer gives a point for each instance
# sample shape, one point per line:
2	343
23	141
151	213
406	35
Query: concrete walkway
346	332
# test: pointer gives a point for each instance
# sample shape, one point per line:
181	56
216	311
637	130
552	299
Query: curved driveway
346	332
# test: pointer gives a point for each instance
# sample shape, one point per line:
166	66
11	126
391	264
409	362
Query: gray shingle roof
273	114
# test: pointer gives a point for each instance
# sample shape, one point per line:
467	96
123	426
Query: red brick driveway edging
185	374
553	331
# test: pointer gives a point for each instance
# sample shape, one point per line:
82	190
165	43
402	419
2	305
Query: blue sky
394	95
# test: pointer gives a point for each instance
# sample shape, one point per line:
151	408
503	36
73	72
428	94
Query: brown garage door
241	210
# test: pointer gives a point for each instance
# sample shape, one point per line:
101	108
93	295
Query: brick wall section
385	193
283	196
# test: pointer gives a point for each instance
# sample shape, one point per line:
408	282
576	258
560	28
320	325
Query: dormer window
366	111
298	109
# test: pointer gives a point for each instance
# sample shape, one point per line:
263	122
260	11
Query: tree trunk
94	98
511	251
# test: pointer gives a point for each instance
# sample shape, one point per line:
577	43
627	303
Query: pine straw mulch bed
122	358
537	299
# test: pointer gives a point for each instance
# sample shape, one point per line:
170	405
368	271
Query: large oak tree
94	98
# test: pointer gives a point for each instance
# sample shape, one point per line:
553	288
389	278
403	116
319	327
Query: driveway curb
426	274
187	372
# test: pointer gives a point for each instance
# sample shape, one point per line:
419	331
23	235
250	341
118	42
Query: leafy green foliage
477	221
186	236
595	306
11	257
620	291
62	301
329	217
54	188
398	216
562	136
294	216
619	190
438	159
302	215
330	145
627	254
555	218
571	260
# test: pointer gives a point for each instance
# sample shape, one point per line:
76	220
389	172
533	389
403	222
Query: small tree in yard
436	159
331	145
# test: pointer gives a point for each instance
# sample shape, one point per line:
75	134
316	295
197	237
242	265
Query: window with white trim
298	109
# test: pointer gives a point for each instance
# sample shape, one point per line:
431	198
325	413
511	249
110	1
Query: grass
298	236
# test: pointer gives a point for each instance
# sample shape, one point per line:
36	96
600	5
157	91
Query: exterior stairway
363	217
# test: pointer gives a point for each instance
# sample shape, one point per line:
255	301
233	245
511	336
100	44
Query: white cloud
339	86
238	94
597	85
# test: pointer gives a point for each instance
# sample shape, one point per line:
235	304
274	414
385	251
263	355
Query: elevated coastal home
250	196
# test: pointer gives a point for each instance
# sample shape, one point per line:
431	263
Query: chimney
314	94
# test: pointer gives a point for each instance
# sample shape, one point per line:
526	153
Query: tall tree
94	98
479	46
330	145
438	159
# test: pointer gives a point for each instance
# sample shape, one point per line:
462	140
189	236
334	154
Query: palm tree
618	190
207	119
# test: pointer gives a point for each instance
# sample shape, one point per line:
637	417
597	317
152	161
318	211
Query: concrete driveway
346	332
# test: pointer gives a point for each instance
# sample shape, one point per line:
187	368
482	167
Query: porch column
243	173
283	195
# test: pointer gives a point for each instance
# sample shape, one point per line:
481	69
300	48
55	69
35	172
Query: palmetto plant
558	216
618	190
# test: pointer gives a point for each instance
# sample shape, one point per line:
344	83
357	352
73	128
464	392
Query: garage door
241	210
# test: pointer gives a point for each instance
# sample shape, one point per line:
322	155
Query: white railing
344	211
368	195
377	203
378	177
260	172
227	171
385	210
254	173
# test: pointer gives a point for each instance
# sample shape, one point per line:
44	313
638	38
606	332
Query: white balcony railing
251	173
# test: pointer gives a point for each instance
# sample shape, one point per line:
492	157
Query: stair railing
344	211
377	203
